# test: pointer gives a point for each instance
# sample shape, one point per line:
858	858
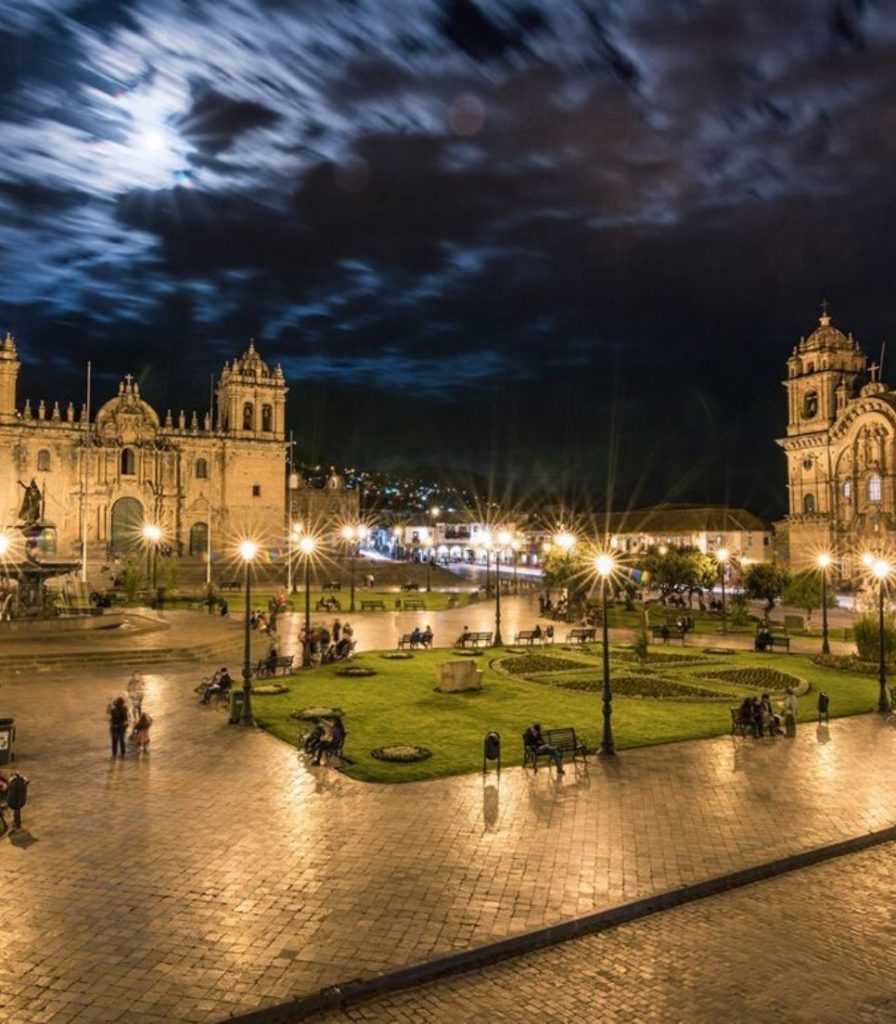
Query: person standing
790	713
136	692
337	631
118	724
141	732
17	796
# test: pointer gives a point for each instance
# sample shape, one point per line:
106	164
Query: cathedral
102	478
841	453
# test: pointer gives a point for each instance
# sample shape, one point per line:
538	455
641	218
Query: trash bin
236	706
7	740
491	749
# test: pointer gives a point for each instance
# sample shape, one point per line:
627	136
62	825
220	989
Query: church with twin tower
841	454
127	466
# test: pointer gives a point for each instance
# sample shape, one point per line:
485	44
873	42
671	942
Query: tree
765	582
804	591
680	571
563	571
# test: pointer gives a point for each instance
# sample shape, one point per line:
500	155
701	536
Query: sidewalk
220	874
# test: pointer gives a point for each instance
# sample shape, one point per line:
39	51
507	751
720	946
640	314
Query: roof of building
674	519
826	337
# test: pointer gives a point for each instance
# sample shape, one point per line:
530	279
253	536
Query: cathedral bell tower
9	376
252	398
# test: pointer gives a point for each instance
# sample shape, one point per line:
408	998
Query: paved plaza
220	873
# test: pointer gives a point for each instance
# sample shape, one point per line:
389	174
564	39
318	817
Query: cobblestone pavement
220	873
810	947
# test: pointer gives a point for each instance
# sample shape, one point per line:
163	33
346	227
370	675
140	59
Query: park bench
414	604
283	665
409	586
475	639
581	635
328	604
331	585
232	585
407	640
565	740
773	640
667	633
372	606
526	636
738	726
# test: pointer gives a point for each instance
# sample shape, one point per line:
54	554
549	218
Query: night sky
560	243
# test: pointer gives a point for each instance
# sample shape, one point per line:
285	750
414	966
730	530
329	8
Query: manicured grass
399	705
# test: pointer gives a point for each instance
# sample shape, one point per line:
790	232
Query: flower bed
313	714
848	663
757	678
397	656
269	689
401	753
530	664
656	657
356	671
651	687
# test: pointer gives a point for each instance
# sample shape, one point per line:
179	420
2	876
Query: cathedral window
807	465
248	416
810	405
256	490
874	488
847	489
267	418
128	462
43	461
201	469
809	503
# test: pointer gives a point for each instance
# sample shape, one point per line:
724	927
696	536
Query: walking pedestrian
136	691
16	796
141	732
118	724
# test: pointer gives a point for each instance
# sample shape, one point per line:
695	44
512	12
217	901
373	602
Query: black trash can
236	705
7	740
491	749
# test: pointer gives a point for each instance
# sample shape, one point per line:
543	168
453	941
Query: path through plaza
221	874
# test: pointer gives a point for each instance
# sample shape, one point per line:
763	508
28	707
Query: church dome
250	363
826	338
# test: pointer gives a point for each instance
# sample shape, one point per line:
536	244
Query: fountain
26	603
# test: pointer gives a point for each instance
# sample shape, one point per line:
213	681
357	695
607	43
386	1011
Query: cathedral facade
204	483
841	454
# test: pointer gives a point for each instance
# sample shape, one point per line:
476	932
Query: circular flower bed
269	689
644	686
397	656
528	664
719	650
312	714
758	678
468	654
401	753
356	671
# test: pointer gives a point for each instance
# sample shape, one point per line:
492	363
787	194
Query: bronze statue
31	510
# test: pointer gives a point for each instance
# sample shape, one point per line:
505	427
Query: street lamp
292	538
485	542
566	542
515	547
5	544
824	560
434	515
504	538
605	565
881	569
248	551
152	534
353	535
722	557
307	546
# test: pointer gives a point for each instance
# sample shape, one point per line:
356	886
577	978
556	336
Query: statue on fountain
31	511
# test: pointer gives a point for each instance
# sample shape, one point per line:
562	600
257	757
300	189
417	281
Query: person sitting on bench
462	639
426	637
220	684
534	741
313	741
416	637
334	743
270	662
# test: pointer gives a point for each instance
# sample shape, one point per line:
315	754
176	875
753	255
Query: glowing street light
565	541
293	537
248	551
504	538
722	556
434	515
824	560
881	569
353	535
5	544
605	565
152	536
307	547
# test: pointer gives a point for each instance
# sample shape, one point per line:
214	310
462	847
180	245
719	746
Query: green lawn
398	705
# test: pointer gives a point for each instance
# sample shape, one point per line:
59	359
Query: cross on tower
128	380
824	307
873	368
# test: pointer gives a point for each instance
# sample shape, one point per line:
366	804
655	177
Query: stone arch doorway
198	539
127	525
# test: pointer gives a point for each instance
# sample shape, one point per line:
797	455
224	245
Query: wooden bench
581	635
414	604
372	606
526	636
667	633
328	604
475	639
407	640
773	640
283	665
409	586
565	740
331	585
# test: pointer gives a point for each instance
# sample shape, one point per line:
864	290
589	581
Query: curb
357	990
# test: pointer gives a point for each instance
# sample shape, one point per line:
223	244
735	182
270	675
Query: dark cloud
214	121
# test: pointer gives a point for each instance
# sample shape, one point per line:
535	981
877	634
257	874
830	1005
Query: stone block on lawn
454	676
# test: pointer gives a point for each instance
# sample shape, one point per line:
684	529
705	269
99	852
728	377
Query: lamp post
504	539
485	542
434	515
722	556
824	560
152	534
306	547
605	564
881	569
515	547
353	535
292	538
566	542
248	551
